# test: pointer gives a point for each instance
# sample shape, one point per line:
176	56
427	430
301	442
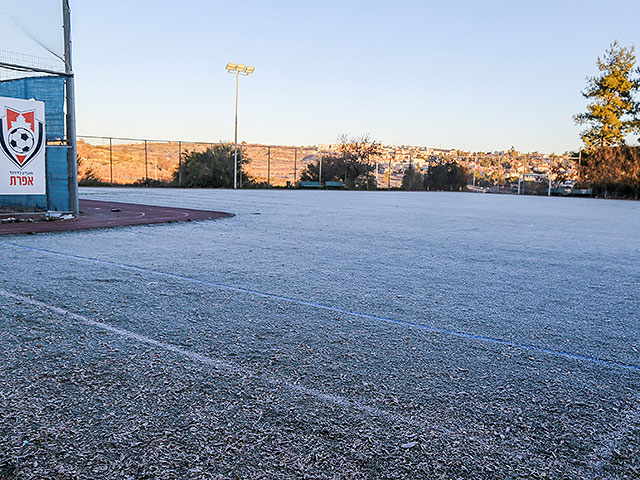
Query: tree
412	179
359	149
613	111
332	169
447	175
212	168
352	165
358	153
613	170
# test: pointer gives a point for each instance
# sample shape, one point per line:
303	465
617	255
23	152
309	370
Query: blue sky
459	74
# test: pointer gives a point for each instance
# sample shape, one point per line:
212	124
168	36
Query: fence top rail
98	137
102	137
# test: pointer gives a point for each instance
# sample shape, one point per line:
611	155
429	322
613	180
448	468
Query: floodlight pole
235	150
72	162
244	70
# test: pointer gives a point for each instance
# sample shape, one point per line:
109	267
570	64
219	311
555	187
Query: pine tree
613	111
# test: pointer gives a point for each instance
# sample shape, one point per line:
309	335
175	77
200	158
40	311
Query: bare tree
359	149
358	154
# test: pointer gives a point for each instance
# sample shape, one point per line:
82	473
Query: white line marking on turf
377	318
234	369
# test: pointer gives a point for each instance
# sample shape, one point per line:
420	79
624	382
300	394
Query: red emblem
21	138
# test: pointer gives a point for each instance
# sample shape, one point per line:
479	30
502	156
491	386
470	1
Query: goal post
522	178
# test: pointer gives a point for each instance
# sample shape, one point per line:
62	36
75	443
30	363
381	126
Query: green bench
310	185
582	191
333	184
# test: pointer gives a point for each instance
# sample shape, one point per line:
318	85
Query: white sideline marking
378	318
234	369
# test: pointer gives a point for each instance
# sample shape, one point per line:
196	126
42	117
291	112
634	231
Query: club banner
22	147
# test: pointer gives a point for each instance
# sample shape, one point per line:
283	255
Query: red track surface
97	214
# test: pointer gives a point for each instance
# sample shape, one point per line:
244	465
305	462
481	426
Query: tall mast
71	112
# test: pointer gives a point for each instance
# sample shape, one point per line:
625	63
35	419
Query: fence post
268	166
179	164
146	169
111	159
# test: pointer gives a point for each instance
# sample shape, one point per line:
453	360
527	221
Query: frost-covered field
327	335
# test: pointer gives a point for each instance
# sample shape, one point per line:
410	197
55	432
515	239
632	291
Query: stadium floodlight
237	70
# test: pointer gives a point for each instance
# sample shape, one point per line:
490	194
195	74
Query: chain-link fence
127	161
122	161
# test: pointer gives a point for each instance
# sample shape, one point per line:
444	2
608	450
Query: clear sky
454	74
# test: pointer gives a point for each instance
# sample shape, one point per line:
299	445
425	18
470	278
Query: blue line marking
422	326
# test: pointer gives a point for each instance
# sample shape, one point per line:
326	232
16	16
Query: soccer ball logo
22	136
21	140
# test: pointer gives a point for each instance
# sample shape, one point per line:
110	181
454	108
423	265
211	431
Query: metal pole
146	169
519	179
579	164
179	164
235	150
295	165
111	159
268	166
240	166
320	169
549	194
72	157
47	187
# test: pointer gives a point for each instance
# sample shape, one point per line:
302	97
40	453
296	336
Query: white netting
31	36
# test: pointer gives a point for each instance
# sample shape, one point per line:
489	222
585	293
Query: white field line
377	318
233	369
